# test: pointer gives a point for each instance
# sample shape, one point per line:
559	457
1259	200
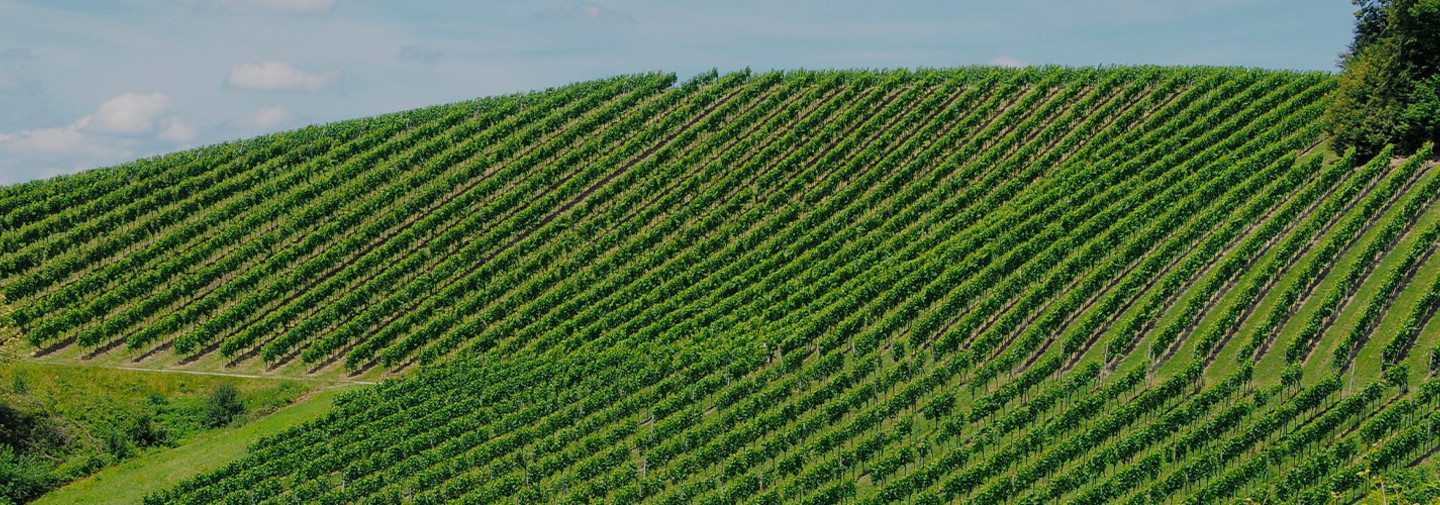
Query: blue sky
89	83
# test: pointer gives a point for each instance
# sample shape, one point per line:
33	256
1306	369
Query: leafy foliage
977	285
1387	92
223	405
72	421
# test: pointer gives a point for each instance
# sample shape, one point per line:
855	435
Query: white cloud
274	75
1008	61
266	118
178	130
52	139
111	134
265	5
48	140
130	114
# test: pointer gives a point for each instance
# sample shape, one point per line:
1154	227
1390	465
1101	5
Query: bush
223	406
940	406
116	443
144	433
22	478
1291	376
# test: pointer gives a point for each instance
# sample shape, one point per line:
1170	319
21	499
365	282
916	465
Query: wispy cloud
420	54
1008	61
16	75
277	76
47	152
111	134
265	5
585	12
265	118
177	129
45	140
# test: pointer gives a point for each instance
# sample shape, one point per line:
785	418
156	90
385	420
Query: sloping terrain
979	285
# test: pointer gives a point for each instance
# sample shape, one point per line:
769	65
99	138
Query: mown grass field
978	285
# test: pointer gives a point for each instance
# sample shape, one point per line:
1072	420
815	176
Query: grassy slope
1429	337
1275	358
1181	357
75	405
132	480
1369	369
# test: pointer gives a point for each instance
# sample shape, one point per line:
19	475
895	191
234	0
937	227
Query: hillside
978	285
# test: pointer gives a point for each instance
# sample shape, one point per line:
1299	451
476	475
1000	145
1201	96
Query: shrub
223	405
22	477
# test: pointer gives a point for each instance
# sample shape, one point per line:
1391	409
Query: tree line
1389	90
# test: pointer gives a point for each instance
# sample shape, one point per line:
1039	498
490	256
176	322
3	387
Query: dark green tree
1389	90
1370	21
223	405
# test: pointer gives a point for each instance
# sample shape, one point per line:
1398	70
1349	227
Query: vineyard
1043	285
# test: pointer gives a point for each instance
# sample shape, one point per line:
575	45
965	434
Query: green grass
1369	357
1173	312
1272	363
71	421
1369	368
72	385
130	481
1274	359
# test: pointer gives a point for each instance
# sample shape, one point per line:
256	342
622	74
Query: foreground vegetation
1137	285
59	423
155	471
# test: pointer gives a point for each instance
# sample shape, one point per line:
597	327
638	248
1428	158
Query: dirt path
335	382
245	376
